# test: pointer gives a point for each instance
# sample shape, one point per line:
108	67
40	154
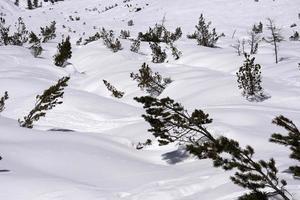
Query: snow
97	159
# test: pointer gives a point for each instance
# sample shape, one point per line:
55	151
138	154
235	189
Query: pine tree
109	40
203	35
249	80
17	3
29	5
47	101
292	139
115	93
33	38
64	52
275	37
170	122
175	52
36	3
49	32
36	48
21	35
4	33
135	47
158	55
154	84
2	101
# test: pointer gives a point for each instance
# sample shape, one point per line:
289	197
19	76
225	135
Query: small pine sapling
2	101
292	140
135	46
49	33
153	83
36	48
109	40
203	34
47	101
114	92
21	35
249	80
4	33
64	52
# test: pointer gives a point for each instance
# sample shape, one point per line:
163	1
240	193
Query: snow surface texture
99	160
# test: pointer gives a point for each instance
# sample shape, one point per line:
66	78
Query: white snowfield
98	160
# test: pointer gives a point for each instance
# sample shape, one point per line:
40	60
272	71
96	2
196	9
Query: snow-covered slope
98	160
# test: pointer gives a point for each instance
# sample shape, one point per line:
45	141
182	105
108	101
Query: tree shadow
176	156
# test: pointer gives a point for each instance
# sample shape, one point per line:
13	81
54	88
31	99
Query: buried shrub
64	52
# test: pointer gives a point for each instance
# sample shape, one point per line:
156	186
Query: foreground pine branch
170	122
292	139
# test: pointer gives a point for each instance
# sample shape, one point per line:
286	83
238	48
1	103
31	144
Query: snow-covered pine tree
114	92
292	140
203	34
36	48
48	33
158	55
4	33
47	101
64	52
29	5
21	35
135	46
2	101
153	83
249	80
17	3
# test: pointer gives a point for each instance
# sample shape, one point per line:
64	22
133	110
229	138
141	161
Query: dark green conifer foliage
292	140
21	35
36	3
64	52
33	38
17	3
36	48
110	41
47	101
158	55
170	122
4	33
48	33
2	101
153	83
249	80
29	5
203	35
115	93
